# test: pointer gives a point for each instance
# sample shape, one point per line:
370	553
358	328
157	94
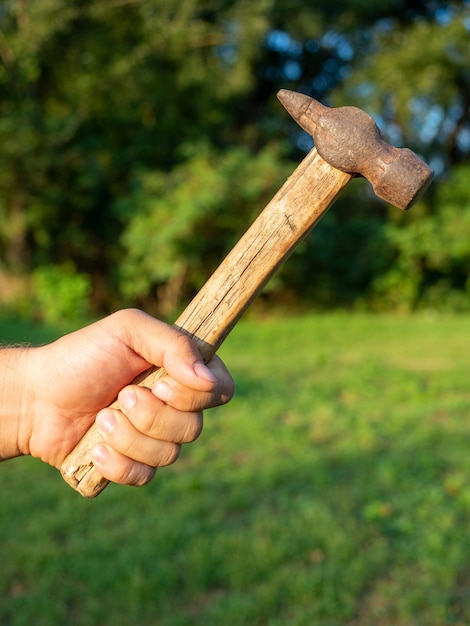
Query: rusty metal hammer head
349	140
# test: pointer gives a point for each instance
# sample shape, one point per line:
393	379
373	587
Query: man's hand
66	385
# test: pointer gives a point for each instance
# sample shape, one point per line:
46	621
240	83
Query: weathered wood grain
208	319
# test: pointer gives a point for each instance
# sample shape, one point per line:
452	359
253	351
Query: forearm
13	402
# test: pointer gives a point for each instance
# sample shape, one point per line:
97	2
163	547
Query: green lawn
333	491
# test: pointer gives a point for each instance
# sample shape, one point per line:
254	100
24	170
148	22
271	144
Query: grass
333	491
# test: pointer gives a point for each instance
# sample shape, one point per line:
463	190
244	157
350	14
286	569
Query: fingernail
127	399
202	371
106	422
99	454
163	391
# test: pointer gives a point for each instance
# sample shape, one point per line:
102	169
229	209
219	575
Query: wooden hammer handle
215	310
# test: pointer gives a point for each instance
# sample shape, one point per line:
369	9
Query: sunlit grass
334	490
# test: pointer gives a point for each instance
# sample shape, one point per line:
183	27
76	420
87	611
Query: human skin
50	395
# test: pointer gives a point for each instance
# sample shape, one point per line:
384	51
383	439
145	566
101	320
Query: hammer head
349	140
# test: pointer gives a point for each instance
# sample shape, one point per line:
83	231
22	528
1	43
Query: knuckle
193	428
228	390
123	315
144	476
145	415
124	475
148	424
122	470
183	342
135	474
169	454
184	399
194	403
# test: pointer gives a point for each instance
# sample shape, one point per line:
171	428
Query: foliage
61	295
332	490
101	102
180	225
432	252
417	82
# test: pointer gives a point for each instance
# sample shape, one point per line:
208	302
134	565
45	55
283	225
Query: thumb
165	346
183	362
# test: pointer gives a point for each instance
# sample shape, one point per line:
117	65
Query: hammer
347	144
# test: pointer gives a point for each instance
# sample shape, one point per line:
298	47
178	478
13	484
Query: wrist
15	402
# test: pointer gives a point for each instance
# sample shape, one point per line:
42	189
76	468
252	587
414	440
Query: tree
94	94
182	223
418	85
123	117
407	65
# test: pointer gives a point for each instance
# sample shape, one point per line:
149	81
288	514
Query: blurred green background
138	140
332	491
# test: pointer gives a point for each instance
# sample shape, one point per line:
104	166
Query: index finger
184	398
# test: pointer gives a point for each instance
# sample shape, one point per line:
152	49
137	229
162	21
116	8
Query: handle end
84	478
78	469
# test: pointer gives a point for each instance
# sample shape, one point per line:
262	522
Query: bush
61	295
432	255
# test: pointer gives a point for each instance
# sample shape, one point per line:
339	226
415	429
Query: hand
70	381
